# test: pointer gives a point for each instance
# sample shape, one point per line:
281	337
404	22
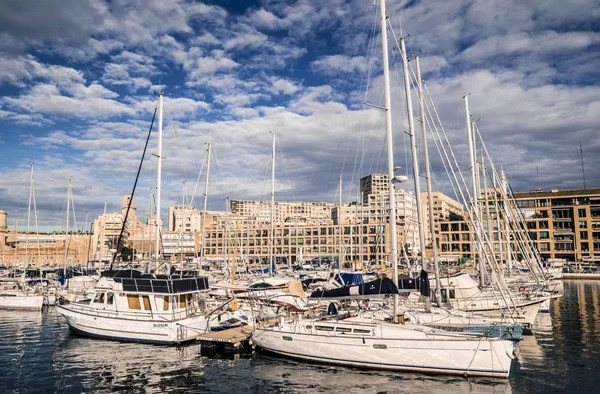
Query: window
110	298
133	301
582	212
166	303
583	234
582	224
99	298
146	300
544	235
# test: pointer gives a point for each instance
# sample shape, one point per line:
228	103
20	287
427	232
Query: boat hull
467	357
114	327
17	302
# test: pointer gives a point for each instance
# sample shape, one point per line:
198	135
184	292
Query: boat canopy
379	287
349	278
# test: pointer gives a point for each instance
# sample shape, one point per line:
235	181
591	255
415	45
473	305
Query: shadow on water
39	354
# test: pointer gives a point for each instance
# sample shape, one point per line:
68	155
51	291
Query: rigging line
198	178
119	240
220	173
476	222
285	170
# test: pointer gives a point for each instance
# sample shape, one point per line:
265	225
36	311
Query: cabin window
133	301
110	298
324	328
99	298
359	331
343	329
166	303
444	294
452	293
146	300
182	300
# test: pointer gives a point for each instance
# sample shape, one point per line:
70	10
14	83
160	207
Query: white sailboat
372	343
15	293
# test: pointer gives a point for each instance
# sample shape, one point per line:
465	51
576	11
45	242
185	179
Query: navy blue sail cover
377	287
421	283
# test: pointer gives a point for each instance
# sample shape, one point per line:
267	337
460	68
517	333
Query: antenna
582	165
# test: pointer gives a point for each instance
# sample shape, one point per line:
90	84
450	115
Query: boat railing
165	316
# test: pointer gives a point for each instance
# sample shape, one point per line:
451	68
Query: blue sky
78	83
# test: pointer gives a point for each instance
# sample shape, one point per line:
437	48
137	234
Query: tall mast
158	178
415	160
205	202
504	186
29	214
474	203
271	241
340	254
428	182
390	153
67	222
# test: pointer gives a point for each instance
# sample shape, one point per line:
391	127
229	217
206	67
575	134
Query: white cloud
336	63
88	101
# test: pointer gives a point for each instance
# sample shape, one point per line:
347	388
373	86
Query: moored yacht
15	294
133	307
366	343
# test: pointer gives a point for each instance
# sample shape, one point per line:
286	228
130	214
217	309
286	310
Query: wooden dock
232	340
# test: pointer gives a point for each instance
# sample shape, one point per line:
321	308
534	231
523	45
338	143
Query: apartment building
561	224
444	208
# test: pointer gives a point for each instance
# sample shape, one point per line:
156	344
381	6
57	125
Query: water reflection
299	377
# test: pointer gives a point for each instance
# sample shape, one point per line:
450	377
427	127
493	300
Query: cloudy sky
79	82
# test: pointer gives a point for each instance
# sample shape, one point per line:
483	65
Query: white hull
26	302
129	327
390	347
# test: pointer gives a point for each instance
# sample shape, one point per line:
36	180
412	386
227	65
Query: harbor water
39	354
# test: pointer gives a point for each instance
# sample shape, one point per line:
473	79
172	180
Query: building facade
561	224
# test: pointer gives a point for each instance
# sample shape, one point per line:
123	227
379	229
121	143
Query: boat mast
415	160
67	223
428	183
205	202
504	186
158	179
271	241
29	214
340	255
474	202
390	154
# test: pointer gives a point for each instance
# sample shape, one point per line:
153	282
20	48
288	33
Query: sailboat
366	342
15	293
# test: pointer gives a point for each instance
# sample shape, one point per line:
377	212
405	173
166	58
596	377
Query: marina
38	351
390	249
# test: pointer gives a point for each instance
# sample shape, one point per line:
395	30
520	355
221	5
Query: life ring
233	305
522	289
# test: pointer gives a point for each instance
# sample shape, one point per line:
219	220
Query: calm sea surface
39	354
